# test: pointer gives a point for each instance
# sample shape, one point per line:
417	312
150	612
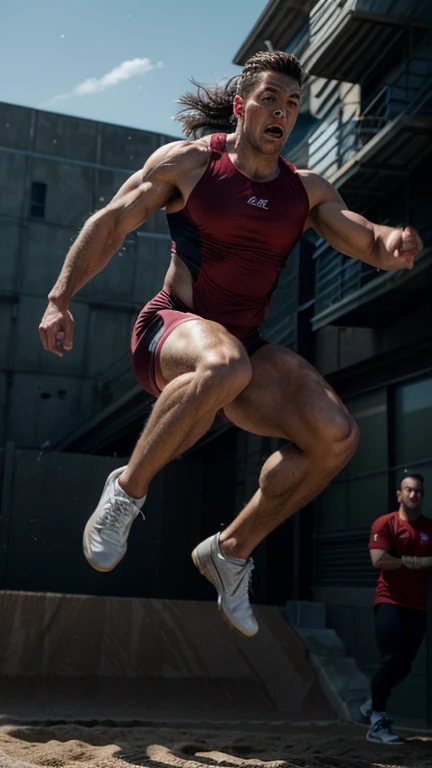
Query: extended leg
202	368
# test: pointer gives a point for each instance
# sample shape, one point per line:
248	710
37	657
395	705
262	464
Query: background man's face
410	494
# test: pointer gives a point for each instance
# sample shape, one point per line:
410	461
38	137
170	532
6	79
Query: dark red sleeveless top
235	235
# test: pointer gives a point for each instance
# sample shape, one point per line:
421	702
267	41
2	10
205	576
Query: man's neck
254	164
409	515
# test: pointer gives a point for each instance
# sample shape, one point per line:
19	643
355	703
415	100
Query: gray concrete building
54	171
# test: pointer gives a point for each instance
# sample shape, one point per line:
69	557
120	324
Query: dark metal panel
342	559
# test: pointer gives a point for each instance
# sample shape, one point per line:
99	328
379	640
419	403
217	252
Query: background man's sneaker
382	733
366	709
231	577
105	535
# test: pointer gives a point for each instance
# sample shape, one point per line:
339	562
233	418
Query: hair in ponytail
209	110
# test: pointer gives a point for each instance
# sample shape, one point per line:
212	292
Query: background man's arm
383	247
384	561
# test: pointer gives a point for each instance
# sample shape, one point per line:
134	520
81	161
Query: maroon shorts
154	324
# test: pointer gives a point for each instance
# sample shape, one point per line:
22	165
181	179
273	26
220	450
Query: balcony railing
337	142
345	38
337	276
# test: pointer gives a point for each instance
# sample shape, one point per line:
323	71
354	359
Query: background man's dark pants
399	634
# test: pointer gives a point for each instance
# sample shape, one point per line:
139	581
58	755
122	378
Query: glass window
413	422
37	200
367	500
370	412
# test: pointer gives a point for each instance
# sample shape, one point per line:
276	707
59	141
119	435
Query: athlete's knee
336	438
224	371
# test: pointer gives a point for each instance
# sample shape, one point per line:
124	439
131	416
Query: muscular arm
384	561
103	234
383	247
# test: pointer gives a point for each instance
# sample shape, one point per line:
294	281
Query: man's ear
238	105
399	496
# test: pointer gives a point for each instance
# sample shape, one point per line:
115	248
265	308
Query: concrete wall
83	163
149	658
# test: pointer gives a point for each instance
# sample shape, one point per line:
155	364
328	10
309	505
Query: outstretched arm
103	234
383	247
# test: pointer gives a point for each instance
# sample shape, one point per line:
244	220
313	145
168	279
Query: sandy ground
331	746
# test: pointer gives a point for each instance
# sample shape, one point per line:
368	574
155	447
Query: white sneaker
231	577
382	733
366	708
105	535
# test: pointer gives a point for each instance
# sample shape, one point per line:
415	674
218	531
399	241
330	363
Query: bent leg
201	369
288	398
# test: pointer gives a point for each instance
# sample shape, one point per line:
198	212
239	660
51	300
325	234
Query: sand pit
91	682
335	746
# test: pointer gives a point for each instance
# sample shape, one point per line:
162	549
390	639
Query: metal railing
335	143
327	14
338	276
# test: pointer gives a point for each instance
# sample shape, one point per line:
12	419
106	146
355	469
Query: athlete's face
269	113
411	494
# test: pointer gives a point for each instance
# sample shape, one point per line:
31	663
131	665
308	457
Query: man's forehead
408	483
280	82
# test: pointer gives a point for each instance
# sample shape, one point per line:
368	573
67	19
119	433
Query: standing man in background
401	547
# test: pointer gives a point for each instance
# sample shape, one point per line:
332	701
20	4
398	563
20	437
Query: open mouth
274	131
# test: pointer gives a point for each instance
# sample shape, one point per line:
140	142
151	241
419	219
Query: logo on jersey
424	537
375	537
258	203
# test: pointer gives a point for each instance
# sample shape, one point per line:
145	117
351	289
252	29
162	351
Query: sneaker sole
94	565
204	572
385	743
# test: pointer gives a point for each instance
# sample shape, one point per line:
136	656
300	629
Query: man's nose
278	113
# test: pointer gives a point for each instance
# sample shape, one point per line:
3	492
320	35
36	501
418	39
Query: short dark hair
268	61
413	476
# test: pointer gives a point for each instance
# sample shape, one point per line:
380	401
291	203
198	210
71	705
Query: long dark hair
211	109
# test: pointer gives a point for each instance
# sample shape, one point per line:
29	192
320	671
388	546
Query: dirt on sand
255	746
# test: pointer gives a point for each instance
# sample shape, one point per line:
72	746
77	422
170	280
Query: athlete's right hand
56	329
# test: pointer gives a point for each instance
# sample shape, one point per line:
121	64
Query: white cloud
125	71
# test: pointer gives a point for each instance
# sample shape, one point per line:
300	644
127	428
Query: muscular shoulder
176	159
318	189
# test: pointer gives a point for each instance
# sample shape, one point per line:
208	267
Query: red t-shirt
399	537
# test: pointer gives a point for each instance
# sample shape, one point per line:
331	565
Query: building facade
366	126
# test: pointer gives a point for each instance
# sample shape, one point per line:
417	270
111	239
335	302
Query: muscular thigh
286	398
193	343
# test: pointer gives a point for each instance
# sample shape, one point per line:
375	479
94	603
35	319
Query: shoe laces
117	514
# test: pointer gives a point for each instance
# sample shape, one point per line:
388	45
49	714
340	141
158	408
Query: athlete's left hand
405	244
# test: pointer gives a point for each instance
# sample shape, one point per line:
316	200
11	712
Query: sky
119	61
